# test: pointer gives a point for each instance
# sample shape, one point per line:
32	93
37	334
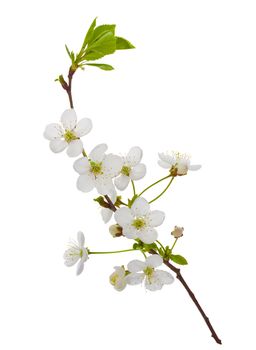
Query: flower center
139	223
96	168
149	271
126	170
69	136
113	279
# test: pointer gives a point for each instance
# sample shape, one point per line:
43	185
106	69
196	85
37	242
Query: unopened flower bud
116	230
177	232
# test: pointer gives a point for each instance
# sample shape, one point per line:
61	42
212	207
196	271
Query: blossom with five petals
68	133
138	221
132	169
98	170
76	253
177	163
145	271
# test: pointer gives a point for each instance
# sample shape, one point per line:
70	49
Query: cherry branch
68	88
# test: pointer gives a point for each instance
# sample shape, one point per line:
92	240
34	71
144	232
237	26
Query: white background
188	86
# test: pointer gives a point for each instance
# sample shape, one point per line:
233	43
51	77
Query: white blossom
118	278
98	170
154	279
76	253
177	163
67	134
138	221
132	169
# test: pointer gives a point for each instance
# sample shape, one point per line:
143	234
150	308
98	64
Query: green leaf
103	29
68	52
101	66
178	259
103	46
123	44
89	33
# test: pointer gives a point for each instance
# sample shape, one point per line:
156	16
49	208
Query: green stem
174	244
155	183
169	184
145	256
114	251
133	187
161	245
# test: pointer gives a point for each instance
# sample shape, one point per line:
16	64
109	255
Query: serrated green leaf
101	66
89	33
105	45
100	30
178	259
123	44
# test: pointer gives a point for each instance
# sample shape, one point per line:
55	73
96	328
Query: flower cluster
141	271
109	173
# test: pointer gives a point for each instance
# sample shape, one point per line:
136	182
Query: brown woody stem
192	296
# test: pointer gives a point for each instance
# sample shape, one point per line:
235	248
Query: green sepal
131	201
178	259
100	65
118	201
101	202
123	44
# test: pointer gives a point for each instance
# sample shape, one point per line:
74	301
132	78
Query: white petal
129	231
81	165
69	119
167	158
195	167
121	182
164	276
70	257
138	172
85	256
156	218
164	165
135	278
97	154
154	260
112	165
120	271
58	145
140	207
83	127
120	284
53	131
136	266
148	236
123	216
75	148
106	214
80	267
104	185
113	195
85	183
153	284
134	156
80	238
